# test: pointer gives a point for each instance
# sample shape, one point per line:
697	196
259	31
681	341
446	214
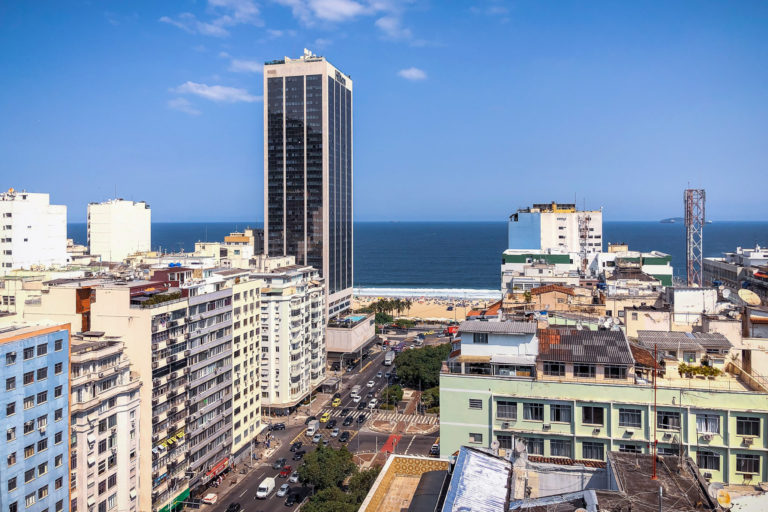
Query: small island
672	220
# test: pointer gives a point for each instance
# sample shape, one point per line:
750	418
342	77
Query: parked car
279	463
283	490
285	472
295	446
290	500
317	438
326	442
344	437
299	455
294	478
335	432
361	418
348	421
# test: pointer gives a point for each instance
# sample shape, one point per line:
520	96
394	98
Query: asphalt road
244	491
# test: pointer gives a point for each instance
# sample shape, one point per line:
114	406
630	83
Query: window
592	415
689	357
58	414
505	441
58	368
10	358
29	427
592	450
554	369
12	459
584	370
534	412
42	373
10	409
706	459
475	403
29	353
102	487
59	483
42	349
506	410
29	402
534	446
57	391
630	448
29	475
42	492
668	420
58	345
747	463
102	467
60	506
631	418
57	438
111	481
42	445
10	434
102	446
111	502
42	469
29	500
475	438
11	484
708	424
747	426
10	383
29	378
615	372
560	448
42	421
59	460
560	413
42	397
29	451
480	337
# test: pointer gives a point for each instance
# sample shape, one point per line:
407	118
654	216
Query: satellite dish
733	298
749	297
724	499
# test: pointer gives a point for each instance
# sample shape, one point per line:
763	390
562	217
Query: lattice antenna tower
694	233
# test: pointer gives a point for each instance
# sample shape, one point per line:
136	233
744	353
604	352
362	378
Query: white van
265	488
313	427
373	403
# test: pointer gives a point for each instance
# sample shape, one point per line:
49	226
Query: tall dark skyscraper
308	169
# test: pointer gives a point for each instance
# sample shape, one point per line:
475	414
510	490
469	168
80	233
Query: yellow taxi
336	402
325	417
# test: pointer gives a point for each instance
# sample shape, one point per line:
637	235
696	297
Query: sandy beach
429	308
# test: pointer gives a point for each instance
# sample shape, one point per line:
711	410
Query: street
361	440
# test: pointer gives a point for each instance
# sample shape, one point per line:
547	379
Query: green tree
420	368
383	318
361	482
392	394
326	467
431	397
332	499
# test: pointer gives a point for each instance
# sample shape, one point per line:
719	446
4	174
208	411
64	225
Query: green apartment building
585	393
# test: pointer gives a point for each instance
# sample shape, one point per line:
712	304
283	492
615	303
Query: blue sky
463	110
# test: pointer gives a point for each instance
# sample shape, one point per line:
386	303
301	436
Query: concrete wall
338	339
508	344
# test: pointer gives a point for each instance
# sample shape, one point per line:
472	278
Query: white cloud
225	13
217	93
322	43
183	105
242	65
308	11
391	27
414	74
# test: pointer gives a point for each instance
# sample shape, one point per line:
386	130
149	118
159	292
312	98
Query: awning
91	438
132	494
91	501
474	359
218	468
514	359
91	461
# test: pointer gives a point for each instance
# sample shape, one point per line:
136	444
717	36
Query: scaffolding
694	234
584	221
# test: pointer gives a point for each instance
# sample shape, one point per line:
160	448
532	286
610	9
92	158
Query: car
344	412
283	490
234	507
361	406
317	438
295	446
330	424
285	472
277	426
325	417
370	394
326	442
370	384
378	375
356	399
344	437
361	418
311	418
294	478
290	500
335	432
279	463
337	395
373	403
299	455
387	375
336	402
211	498
348	421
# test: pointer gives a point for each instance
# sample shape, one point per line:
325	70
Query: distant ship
672	220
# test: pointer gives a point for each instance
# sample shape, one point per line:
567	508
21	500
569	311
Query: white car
356	399
283	490
335	432
370	384
378	375
373	403
294	478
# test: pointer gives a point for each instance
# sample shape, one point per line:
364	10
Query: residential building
589	393
104	419
654	263
559	227
308	170
408	482
691	304
118	228
236	251
33	232
522	270
35	472
735	270
293	352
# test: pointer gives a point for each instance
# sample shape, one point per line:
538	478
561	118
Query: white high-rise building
33	232
119	228
556	227
308	170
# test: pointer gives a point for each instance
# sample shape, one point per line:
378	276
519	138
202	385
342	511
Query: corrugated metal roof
480	483
683	340
498	327
584	346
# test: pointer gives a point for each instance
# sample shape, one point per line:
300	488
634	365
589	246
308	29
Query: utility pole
661	493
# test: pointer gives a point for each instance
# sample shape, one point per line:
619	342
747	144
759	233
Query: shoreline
448	294
428	308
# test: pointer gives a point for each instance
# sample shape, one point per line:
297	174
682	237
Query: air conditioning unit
706	437
708	476
41	430
595	431
629	432
547	426
101	374
748	441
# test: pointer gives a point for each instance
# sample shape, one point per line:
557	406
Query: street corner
422	428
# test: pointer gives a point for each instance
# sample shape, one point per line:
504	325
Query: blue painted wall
525	233
54	410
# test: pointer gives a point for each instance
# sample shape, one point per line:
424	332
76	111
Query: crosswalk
335	413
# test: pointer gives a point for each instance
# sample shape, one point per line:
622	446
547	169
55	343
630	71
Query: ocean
458	258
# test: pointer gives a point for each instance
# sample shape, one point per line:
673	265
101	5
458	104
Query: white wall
118	228
500	344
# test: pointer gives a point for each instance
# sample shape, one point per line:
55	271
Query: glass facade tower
308	170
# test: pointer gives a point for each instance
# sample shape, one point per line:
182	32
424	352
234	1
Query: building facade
104	418
119	228
293	353
33	232
558	227
35	472
308	170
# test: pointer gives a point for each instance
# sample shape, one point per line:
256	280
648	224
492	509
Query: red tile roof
552	288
